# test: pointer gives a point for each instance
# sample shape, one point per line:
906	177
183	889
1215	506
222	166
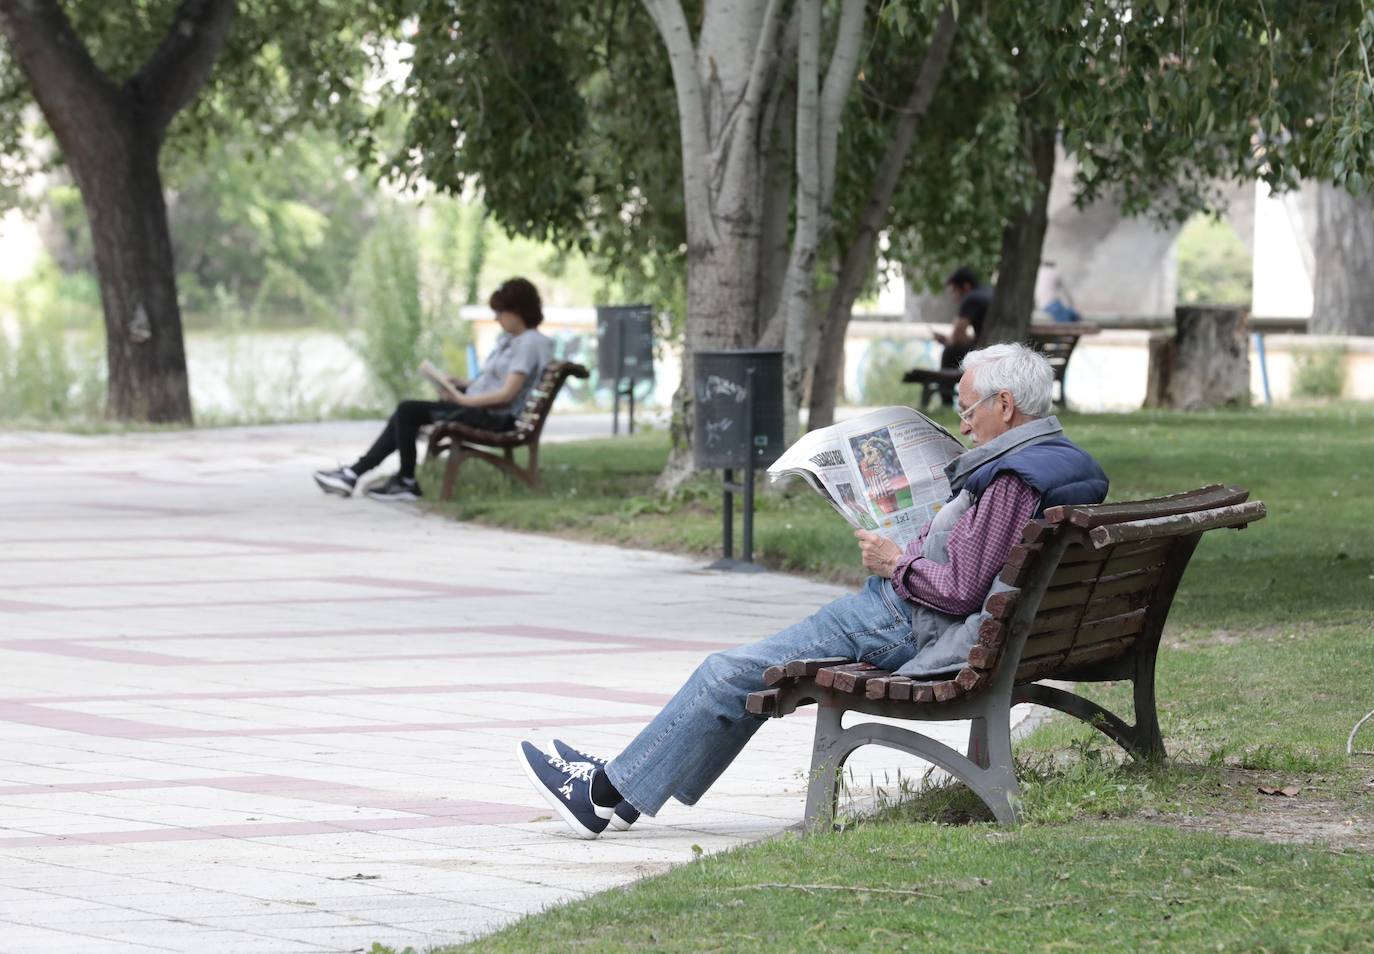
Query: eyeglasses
965	415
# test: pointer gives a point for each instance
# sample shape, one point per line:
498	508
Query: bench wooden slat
1041	666
1097	631
1098	608
1002	605
764	702
806	668
1154	528
888	687
854	680
1135	581
1096	515
1113	565
825	677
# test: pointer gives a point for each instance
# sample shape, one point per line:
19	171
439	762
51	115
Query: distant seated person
972	301
491	401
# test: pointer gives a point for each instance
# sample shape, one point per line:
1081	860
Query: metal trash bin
737	424
624	353
738	398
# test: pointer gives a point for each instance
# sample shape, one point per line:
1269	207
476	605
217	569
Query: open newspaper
440	378
883	471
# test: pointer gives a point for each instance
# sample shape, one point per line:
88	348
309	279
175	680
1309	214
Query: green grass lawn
1268	663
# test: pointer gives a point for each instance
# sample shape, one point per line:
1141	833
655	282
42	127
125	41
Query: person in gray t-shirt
491	401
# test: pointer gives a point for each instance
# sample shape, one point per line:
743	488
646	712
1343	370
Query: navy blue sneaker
625	813
567	786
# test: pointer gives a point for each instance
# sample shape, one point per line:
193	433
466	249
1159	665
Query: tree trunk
111	136
1205	365
1023	237
722	83
1344	282
121	190
863	241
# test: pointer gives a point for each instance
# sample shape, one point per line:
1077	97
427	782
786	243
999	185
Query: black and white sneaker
340	480
625	813
567	786
397	489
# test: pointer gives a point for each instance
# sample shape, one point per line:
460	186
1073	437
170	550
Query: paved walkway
240	716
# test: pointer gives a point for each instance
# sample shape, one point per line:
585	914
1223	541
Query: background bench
1091	588
1055	340
462	442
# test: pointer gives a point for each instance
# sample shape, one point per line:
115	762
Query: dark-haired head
963	278
519	297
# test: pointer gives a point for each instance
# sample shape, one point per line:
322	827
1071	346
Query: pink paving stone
244	496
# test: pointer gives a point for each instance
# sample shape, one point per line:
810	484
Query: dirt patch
1193	638
1311	816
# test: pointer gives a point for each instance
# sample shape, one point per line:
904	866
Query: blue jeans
704	726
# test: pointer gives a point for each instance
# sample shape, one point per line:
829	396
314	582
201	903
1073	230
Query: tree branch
691	109
765	58
69	88
839	76
858	258
179	67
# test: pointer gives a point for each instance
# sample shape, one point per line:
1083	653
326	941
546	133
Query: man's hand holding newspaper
883	471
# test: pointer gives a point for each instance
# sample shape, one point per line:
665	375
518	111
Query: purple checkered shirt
978	546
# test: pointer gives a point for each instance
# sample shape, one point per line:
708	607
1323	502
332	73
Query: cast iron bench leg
994	783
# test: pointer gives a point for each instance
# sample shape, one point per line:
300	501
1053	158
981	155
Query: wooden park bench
1055	340
1090	590
462	442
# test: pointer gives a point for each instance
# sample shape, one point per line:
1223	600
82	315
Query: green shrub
400	320
1319	373
48	375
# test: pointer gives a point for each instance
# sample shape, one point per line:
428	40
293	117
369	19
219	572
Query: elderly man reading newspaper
917	614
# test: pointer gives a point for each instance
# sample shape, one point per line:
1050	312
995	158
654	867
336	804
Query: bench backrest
1089	583
1056	342
540	399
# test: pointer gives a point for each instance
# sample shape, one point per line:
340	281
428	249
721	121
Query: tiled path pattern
239	716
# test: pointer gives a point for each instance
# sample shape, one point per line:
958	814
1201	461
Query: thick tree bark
1206	364
144	350
1023	238
863	242
1343	286
111	136
818	126
722	84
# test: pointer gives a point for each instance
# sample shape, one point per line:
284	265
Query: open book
883	471
441	380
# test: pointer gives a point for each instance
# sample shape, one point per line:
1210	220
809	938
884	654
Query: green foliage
406	307
566	119
1319	372
285	63
1213	265
278	227
395	327
880	373
47	375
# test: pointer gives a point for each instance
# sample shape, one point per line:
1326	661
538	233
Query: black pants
949	359
406	421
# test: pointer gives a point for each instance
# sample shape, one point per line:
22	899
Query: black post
619	377
750	456
631	393
728	540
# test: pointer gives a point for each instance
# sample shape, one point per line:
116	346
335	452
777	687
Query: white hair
1016	368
